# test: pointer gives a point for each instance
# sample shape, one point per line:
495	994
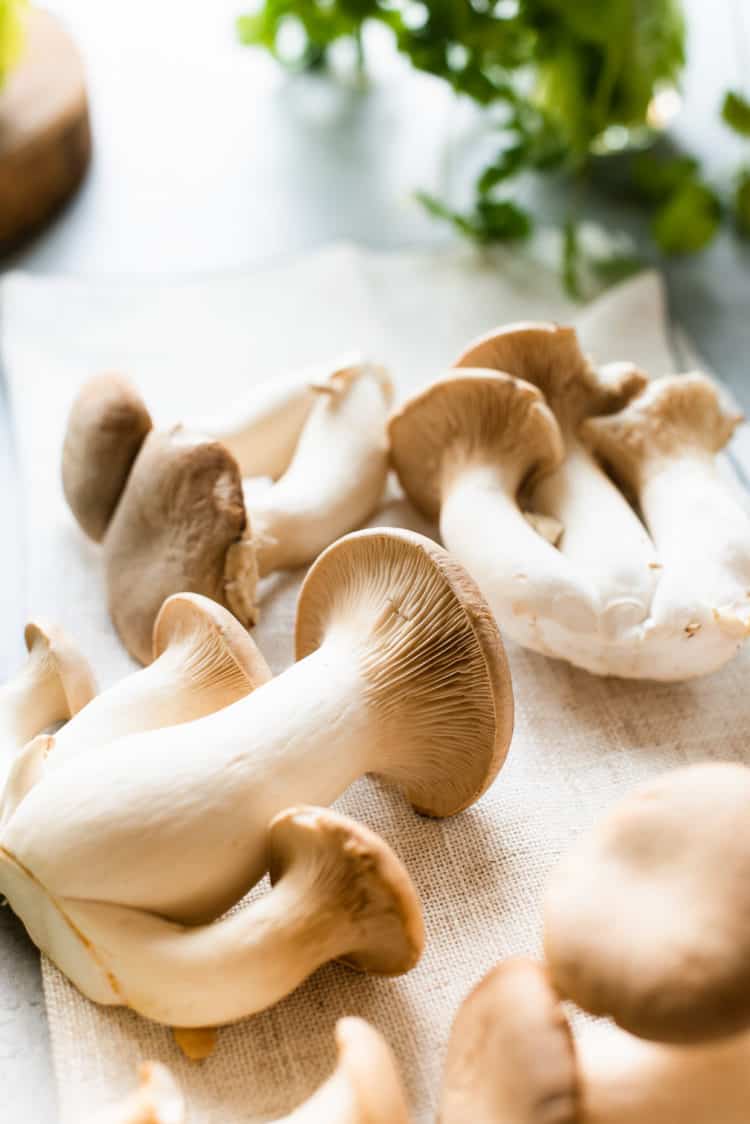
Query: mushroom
603	537
648	917
662	448
463	449
512	1058
157	1100
365	1087
339	893
185	522
203	661
54	684
401	671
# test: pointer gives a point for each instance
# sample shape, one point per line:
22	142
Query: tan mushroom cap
64	660
107	425
179	527
365	1059
549	356
511	1057
477	417
185	614
648	918
357	869
432	656
674	415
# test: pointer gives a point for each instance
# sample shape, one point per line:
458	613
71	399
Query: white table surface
208	159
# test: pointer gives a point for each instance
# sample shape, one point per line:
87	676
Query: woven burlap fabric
580	741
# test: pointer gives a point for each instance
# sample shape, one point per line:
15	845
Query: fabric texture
580	741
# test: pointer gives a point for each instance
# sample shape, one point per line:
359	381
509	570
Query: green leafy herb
742	202
688	220
736	112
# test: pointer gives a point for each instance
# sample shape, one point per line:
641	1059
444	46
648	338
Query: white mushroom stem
625	1080
207	662
157	1100
53	683
304	736
481	522
336	477
262	429
603	538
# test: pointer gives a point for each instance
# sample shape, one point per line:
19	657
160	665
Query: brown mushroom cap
477	417
179	526
675	415
511	1057
107	425
365	1058
64	661
355	868
648	918
431	654
228	644
550	357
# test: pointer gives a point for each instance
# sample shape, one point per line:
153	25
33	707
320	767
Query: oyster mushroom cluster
127	836
646	921
587	503
180	509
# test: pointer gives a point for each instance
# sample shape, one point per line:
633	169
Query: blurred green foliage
561	77
11	35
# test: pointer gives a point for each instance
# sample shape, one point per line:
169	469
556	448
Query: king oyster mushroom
647	919
512	1058
401	671
52	686
156	1100
662	446
339	893
181	518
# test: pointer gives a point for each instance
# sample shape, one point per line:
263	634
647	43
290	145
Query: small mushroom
648	917
510	1058
184	521
203	661
339	893
401	672
157	1100
54	684
107	425
662	448
603	537
463	449
365	1087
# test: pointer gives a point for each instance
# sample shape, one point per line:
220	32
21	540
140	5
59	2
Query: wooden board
45	138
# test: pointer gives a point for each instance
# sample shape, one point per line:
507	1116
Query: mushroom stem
306	735
336	477
339	892
204	660
514	565
261	429
54	683
157	1100
625	1080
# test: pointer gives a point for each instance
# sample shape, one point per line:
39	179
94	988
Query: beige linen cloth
580	741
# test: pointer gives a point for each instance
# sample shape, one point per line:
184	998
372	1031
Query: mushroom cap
365	1059
59	653
431	654
511	1057
648	918
107	425
356	869
549	356
674	415
180	521
475	417
184	614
